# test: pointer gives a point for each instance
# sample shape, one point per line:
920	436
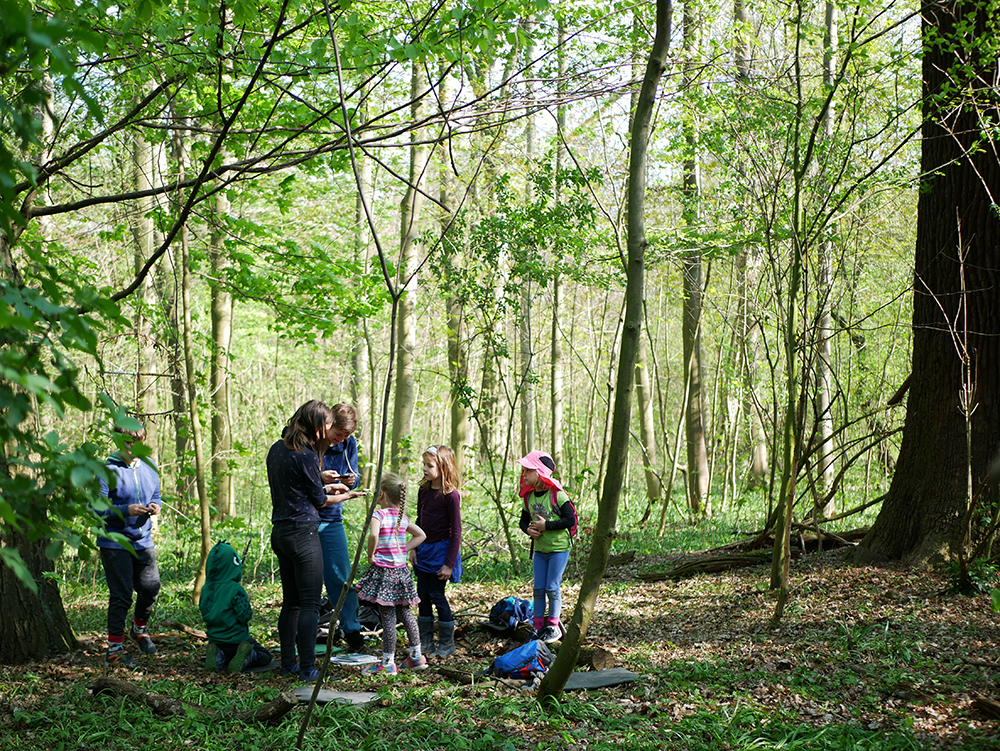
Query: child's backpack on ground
523	663
323	626
369	618
511	611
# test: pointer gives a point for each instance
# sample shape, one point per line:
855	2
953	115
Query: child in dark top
438	559
547	521
225	606
133	499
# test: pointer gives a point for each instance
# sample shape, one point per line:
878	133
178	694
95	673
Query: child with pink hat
547	518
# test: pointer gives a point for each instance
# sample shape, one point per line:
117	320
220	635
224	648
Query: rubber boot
425	623
446	644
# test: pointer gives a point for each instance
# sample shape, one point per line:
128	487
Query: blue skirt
431	557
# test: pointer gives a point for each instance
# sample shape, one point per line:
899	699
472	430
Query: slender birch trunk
410	209
222	333
555	679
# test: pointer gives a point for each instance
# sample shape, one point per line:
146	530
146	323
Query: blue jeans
300	565
548	569
125	574
336	570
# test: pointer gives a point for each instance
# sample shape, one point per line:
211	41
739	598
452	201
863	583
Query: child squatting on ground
437	560
547	517
225	606
388	583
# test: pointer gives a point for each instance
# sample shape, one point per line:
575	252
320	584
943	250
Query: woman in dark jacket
297	494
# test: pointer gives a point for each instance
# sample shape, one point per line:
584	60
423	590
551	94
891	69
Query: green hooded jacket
224	603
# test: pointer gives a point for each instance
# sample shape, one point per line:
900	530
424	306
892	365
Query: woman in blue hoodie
132	502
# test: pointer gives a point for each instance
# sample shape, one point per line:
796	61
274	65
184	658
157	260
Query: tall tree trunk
794	389
746	265
956	308
222	334
526	388
647	430
146	164
410	208
363	383
825	468
607	514
697	450
191	382
556	364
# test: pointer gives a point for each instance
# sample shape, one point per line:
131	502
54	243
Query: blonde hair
448	464
394	488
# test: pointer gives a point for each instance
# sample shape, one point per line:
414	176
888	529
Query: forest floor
872	657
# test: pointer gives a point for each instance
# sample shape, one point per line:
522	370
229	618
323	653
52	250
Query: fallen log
621	558
986	706
177	625
167	706
597	658
459	676
713	564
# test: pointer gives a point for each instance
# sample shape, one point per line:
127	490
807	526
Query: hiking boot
410	664
446	642
380	669
425	624
550	634
119	658
242	653
211	658
141	637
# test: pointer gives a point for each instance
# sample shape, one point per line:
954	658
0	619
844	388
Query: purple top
439	515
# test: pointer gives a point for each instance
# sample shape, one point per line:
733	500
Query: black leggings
430	589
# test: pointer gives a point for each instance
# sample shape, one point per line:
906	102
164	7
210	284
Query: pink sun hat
536	461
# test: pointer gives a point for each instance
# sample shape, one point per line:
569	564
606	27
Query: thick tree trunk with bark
31	625
956	304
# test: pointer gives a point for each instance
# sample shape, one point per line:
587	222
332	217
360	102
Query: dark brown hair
300	431
135	435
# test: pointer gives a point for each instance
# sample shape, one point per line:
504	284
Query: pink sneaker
410	664
379	669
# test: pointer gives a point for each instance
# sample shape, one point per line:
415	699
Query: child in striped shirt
388	584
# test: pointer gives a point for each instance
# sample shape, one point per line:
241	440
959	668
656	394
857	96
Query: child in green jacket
225	606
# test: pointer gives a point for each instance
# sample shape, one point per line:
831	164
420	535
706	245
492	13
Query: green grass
850	668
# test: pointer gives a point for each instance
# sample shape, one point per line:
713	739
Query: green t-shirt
540	504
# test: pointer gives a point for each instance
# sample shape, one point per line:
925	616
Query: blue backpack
522	663
511	611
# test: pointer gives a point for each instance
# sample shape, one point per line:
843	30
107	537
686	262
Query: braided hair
394	488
